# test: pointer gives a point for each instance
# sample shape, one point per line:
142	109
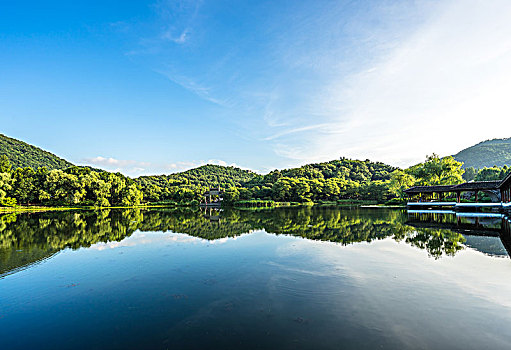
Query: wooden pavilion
499	191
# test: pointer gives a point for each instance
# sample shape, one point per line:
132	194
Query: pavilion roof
478	185
430	189
467	186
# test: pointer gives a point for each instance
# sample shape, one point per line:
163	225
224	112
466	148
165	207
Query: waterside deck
434	197
459	206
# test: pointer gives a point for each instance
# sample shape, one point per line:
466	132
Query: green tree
24	186
491	174
281	189
301	190
331	189
231	195
97	190
400	181
6	187
438	171
5	164
470	174
62	188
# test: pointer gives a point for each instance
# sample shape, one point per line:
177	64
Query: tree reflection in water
30	237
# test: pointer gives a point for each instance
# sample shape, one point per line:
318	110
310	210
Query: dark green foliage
496	152
337	180
345	169
191	184
22	155
437	171
204	176
490	174
469	174
5	164
343	178
74	186
486	174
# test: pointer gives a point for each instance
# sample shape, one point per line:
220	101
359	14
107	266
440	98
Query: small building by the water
213	197
499	192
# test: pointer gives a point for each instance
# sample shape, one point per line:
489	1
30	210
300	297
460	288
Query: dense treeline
23	155
191	184
334	181
338	179
204	176
29	175
73	186
347	179
486	174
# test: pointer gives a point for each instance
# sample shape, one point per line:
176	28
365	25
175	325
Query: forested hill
486	154
23	155
225	177
343	176
343	168
206	175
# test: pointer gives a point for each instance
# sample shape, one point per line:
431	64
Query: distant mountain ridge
23	155
486	154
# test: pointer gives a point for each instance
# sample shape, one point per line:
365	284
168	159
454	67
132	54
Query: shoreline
23	209
35	209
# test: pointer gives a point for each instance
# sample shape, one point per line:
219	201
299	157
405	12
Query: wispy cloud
191	85
137	168
429	92
297	130
179	39
126	166
390	81
99	160
177	18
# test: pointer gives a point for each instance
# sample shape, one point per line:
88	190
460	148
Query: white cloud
99	160
137	168
178	40
390	81
125	166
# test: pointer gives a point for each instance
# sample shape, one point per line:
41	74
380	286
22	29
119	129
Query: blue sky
149	87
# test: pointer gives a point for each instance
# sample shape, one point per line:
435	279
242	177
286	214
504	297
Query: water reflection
29	238
489	233
162	290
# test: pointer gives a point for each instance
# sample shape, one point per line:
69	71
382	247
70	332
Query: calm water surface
313	278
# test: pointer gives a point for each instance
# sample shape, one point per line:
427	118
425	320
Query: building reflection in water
489	233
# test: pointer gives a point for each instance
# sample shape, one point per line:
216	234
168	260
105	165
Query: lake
287	278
